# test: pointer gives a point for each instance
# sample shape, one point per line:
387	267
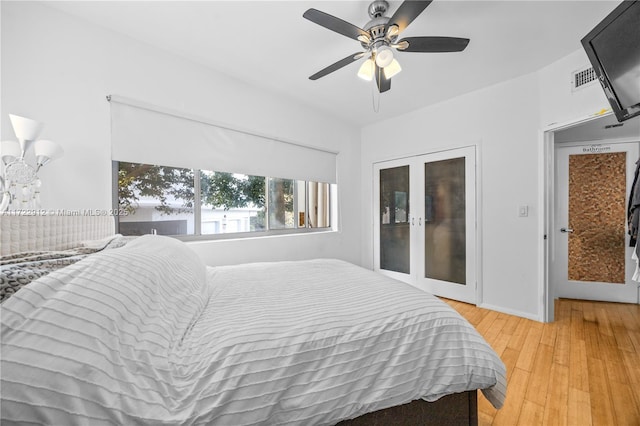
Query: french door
592	252
425	222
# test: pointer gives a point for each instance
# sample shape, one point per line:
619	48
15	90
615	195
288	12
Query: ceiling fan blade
382	83
434	44
335	24
407	12
336	66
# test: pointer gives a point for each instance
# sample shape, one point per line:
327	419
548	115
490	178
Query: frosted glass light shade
392	69
384	56
25	129
46	151
366	70
9	150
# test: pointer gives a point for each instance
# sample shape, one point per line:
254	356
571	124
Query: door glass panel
445	225
597	215
394	219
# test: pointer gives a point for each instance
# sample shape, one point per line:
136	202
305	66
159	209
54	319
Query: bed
139	331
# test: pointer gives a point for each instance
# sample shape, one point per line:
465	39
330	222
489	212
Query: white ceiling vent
582	78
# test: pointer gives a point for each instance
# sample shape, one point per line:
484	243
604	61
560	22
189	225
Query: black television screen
613	48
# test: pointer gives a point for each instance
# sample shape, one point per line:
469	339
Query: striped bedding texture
146	334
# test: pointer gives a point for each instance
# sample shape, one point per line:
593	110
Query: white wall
558	104
506	121
58	70
502	120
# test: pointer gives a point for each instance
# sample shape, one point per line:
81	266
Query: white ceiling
270	44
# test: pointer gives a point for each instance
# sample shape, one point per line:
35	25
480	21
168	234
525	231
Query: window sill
242	236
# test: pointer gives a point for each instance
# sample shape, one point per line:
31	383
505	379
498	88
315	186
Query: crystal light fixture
19	182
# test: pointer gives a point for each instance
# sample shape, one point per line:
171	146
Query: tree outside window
161	199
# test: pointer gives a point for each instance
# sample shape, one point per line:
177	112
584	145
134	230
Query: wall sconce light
19	182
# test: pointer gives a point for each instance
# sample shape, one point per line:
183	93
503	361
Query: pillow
170	249
161	280
99	244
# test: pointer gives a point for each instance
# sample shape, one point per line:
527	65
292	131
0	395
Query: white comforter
147	334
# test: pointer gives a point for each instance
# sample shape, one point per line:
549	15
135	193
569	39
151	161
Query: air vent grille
583	77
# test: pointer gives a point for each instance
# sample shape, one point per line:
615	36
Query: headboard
20	233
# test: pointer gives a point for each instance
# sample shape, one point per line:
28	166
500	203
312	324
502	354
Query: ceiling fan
379	38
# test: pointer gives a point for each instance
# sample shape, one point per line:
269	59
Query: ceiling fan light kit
379	39
392	69
366	70
384	56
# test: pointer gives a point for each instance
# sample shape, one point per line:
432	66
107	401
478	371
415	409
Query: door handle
566	230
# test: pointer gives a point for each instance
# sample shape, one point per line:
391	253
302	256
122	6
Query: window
155	199
319	213
281	203
161	199
231	203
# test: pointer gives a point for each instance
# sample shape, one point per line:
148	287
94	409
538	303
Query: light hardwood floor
582	369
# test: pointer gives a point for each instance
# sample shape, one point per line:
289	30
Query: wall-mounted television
613	47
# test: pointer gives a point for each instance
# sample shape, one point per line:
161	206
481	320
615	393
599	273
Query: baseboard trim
517	313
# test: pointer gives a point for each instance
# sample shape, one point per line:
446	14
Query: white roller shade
151	135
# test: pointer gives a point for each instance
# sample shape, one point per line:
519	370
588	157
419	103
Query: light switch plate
523	211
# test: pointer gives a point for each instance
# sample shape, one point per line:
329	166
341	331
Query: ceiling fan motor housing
378	8
377	26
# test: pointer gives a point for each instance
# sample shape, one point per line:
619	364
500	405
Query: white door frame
406	159
546	181
625	292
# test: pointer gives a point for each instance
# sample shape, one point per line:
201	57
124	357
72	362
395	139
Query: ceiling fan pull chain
375	96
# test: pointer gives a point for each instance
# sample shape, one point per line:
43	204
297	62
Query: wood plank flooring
583	369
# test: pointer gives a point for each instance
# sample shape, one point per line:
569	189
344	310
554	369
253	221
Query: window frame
197	212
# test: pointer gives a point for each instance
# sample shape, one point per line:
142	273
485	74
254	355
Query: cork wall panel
597	215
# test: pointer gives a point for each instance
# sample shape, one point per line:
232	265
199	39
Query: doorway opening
594	142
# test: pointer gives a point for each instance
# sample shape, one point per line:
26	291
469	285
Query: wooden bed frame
60	231
457	409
